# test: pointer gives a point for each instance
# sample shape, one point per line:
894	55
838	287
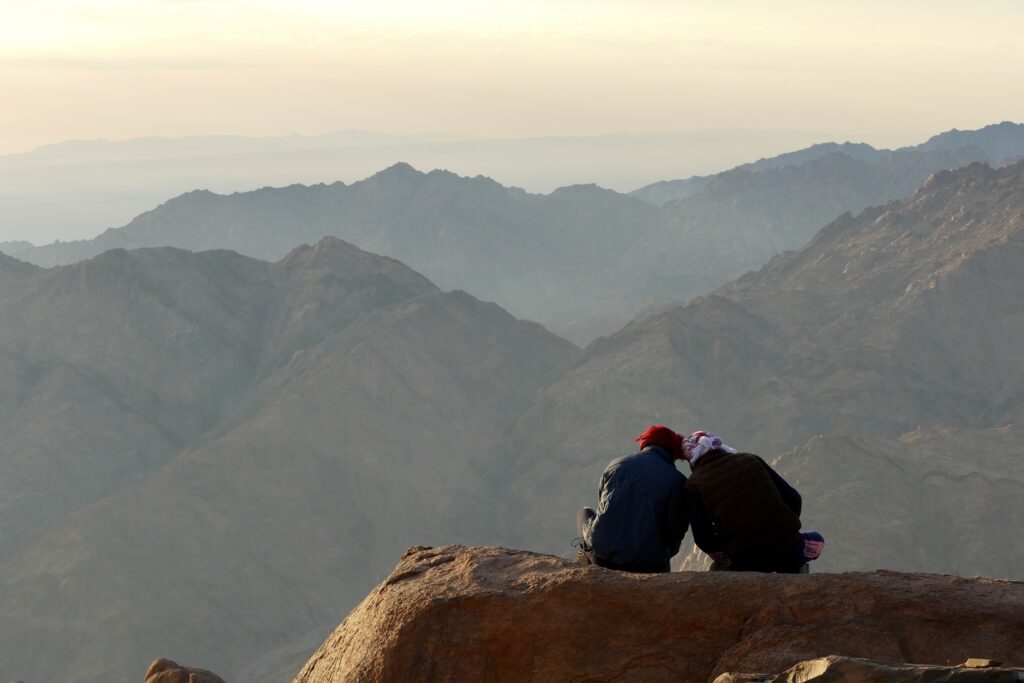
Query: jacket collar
710	456
661	452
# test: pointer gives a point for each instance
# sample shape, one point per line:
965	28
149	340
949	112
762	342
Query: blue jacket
641	518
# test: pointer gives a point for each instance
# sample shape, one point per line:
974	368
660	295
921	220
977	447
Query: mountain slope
112	365
352	417
906	315
740	219
935	498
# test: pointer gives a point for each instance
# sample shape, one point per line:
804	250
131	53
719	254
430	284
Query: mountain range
196	445
79	188
213	457
582	260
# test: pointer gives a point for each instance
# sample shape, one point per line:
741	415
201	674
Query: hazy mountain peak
855	150
349	262
398	170
583	190
1000	141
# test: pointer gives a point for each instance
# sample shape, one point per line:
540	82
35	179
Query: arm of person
704	534
790	496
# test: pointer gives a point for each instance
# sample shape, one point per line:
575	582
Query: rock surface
457	613
834	669
166	671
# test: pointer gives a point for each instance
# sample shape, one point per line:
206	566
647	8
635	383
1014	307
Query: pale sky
886	72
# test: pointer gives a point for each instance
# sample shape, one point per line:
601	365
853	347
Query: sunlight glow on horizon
120	68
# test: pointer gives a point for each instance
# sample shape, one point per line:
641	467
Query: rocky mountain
456	613
581	260
862	670
907	315
936	499
208	456
740	219
112	365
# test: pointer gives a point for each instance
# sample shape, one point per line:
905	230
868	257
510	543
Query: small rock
974	663
166	671
834	669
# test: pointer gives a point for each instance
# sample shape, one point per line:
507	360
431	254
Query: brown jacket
748	508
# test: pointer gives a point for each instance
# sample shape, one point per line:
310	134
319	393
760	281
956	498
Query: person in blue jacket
640	520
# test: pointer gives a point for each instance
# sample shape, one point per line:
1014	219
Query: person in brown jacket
742	513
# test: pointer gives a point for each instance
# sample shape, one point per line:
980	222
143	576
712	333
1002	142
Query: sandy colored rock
166	671
975	663
457	613
835	669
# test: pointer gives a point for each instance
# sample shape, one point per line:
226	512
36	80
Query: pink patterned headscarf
699	443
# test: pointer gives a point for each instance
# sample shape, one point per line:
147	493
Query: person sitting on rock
743	514
640	521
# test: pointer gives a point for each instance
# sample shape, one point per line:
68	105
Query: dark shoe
582	551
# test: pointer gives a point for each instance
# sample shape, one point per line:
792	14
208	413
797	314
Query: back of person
640	522
757	527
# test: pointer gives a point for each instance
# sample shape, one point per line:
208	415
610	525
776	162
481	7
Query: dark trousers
585	554
768	560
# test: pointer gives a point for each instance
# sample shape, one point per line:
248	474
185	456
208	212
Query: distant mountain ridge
1001	141
77	189
996	144
581	260
12	248
499	243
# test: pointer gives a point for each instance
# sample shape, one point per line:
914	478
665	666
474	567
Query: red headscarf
658	435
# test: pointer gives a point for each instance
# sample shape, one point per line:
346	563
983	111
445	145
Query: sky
888	73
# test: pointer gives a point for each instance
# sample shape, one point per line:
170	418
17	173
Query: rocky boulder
833	669
457	613
166	671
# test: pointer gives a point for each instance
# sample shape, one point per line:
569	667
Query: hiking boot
582	551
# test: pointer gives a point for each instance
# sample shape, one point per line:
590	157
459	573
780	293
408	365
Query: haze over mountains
212	457
581	260
77	189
